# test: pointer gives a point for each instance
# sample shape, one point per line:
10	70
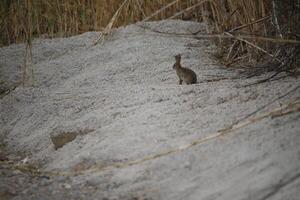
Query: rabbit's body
184	74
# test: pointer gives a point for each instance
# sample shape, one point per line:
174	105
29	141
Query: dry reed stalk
247	19
247	25
160	10
188	9
110	24
253	45
28	74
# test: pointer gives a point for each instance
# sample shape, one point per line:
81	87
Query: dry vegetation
68	17
246	31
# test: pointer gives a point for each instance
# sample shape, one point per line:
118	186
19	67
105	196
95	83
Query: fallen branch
196	35
253	45
278	69
215	79
265	80
282	110
246	25
264	106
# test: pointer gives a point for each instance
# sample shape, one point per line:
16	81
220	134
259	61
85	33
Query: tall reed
231	18
52	18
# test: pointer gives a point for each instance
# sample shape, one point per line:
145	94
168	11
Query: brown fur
184	74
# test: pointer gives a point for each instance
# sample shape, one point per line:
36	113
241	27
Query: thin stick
187	9
255	46
160	10
279	111
110	24
264	80
210	36
246	25
266	105
231	48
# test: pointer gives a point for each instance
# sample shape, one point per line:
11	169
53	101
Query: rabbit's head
178	58
177	63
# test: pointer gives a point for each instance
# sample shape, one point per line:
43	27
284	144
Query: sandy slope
145	131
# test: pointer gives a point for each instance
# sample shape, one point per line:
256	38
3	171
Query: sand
138	134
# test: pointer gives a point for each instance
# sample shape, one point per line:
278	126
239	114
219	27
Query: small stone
64	134
63	138
67	186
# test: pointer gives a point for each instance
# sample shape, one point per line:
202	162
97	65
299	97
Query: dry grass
245	29
69	17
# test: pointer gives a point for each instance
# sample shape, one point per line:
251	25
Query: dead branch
253	45
285	109
246	25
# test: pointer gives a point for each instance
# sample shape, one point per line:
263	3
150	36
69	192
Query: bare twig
246	25
283	67
284	109
263	107
265	80
211	36
160	10
110	24
215	79
231	48
253	45
236	59
187	9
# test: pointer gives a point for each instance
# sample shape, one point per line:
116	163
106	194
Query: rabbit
184	74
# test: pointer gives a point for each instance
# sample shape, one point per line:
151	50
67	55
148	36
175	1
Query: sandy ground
138	134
